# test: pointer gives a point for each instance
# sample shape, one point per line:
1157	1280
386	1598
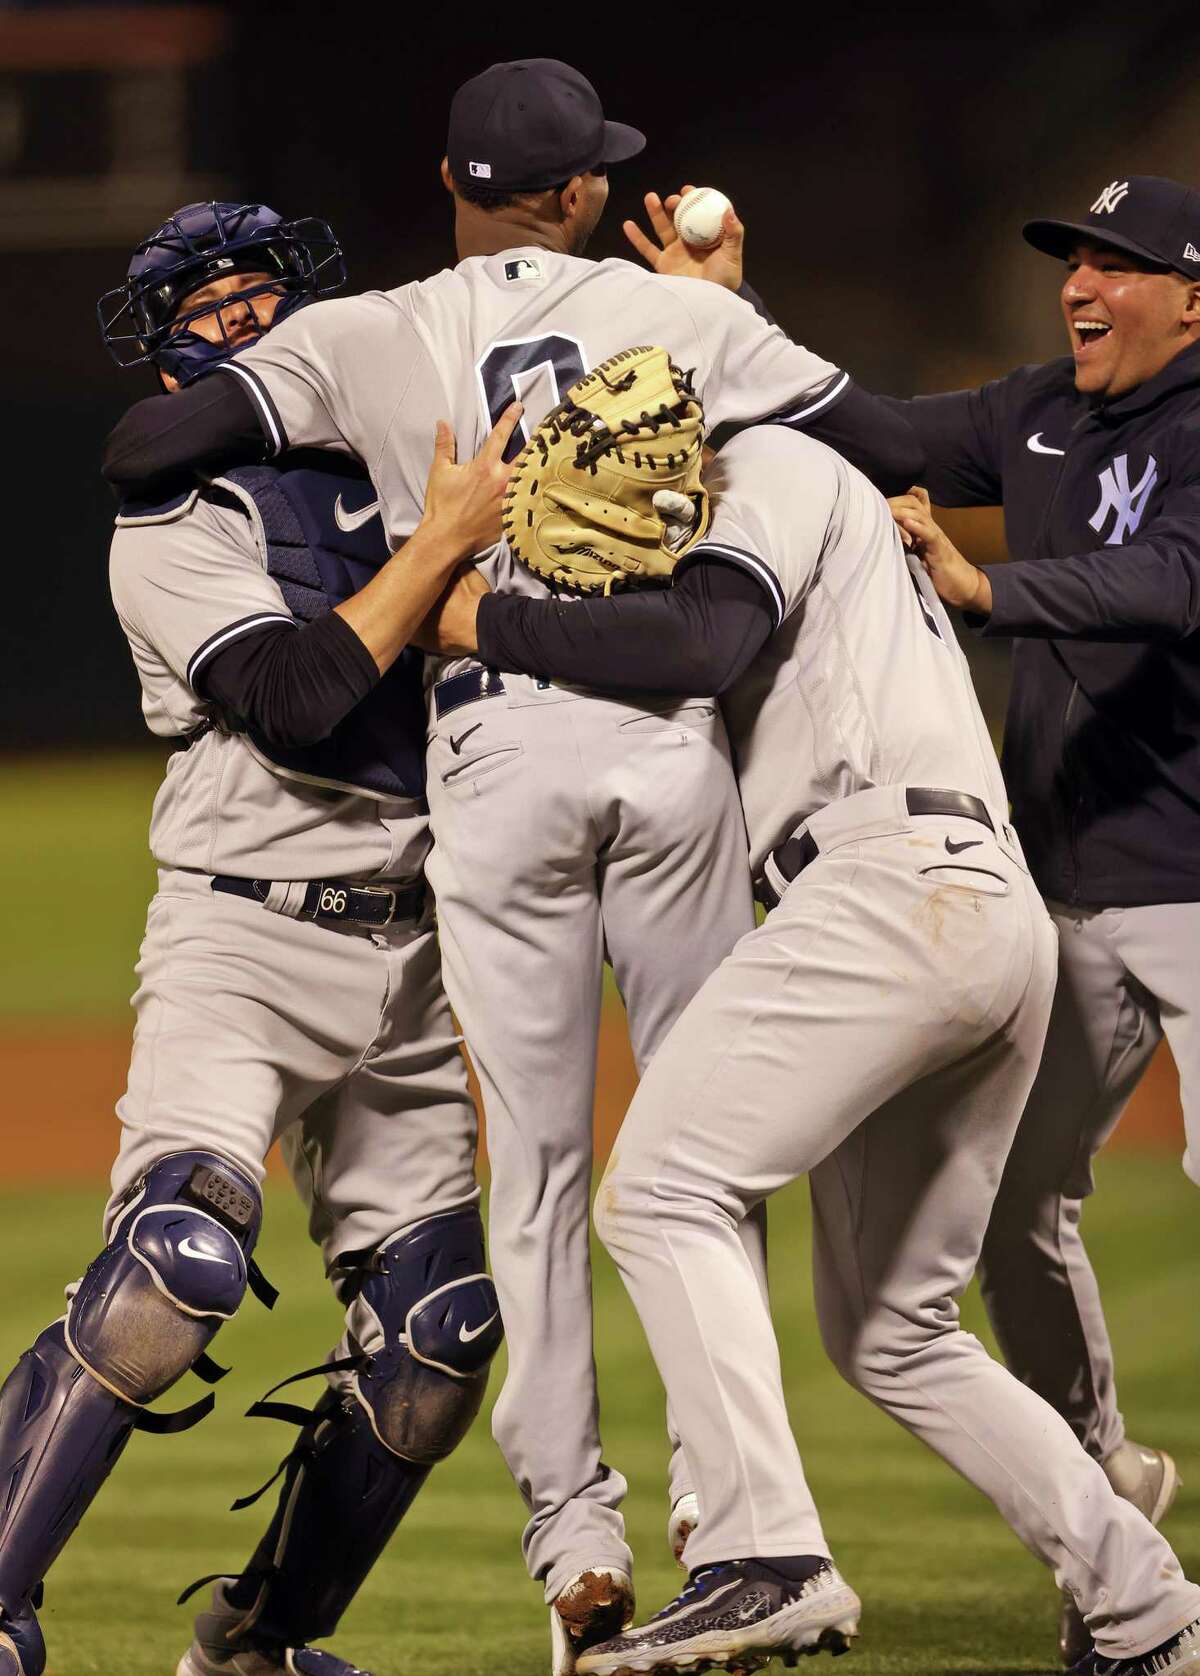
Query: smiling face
1125	319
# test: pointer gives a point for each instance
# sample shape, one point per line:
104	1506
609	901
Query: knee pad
175	1268
439	1320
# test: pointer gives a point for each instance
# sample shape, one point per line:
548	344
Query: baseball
699	214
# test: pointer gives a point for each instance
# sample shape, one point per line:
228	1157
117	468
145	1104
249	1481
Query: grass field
948	1591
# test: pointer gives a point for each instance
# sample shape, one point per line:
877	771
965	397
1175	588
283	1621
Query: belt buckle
373	890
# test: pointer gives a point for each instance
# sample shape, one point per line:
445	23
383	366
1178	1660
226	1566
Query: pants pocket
979	881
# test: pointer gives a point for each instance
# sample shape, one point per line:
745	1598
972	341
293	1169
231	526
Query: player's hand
957	580
450	627
721	263
463	503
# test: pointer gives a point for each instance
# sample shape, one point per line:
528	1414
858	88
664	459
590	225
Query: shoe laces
696	1587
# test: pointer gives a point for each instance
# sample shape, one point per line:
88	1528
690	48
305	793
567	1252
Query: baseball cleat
1180	1656
22	1650
591	1607
1149	1479
219	1650
736	1617
685	1516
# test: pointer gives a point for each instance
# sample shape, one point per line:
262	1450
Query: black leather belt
472	684
794	854
333	901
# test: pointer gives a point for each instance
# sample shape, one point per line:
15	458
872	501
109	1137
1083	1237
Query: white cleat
1149	1479
735	1617
685	1516
591	1607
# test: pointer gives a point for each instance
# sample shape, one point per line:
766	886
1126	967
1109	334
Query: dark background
883	160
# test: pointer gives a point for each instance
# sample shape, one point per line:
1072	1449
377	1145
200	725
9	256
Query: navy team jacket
1102	515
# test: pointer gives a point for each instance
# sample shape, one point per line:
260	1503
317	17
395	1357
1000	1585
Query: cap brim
621	142
1059	238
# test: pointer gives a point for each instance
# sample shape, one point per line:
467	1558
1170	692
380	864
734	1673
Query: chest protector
319	522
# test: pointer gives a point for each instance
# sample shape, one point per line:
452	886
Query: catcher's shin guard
22	1650
140	1318
428	1309
343	1495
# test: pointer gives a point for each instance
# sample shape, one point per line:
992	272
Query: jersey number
507	370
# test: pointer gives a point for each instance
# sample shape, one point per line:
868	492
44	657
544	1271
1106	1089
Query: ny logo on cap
1116	496
1108	200
481	171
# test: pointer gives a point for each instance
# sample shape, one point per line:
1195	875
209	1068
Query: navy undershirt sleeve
292	685
695	638
163	441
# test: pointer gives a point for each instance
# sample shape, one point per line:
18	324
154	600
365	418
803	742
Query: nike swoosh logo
967	844
456	745
187	1249
1035	445
353	520
465	1334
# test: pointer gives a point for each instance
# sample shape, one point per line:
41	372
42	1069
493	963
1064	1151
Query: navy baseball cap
534	123
1156	219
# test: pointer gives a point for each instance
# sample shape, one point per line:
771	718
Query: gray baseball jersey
253	1025
186	583
880	1032
564	824
373	373
863	683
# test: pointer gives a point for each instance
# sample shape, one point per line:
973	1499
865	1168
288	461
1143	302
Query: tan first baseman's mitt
580	507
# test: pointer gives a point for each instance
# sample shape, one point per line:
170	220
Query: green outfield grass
948	1591
73	833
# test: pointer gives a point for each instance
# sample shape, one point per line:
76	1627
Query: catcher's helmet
139	320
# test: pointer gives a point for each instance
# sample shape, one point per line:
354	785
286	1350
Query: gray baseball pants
1126	977
568	827
253	1027
881	1032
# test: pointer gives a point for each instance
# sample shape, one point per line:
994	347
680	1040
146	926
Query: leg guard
428	1302
363	1454
142	1315
343	1495
22	1650
175	1268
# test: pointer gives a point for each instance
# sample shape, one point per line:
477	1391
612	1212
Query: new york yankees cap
534	123
1156	219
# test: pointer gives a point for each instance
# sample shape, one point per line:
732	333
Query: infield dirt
64	1083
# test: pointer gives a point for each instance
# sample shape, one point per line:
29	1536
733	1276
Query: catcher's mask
607	492
198	244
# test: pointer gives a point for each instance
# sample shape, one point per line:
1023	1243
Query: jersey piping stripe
802	414
745	561
267	411
224	636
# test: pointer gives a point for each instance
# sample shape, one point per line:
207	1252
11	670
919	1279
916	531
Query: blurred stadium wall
883	163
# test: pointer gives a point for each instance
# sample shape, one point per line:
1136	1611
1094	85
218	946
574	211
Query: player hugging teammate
288	989
569	823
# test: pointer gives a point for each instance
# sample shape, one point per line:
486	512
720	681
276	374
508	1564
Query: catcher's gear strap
695	638
579	510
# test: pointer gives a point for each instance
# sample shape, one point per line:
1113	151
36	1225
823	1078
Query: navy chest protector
321	529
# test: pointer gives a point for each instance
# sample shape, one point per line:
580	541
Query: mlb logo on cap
482	171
